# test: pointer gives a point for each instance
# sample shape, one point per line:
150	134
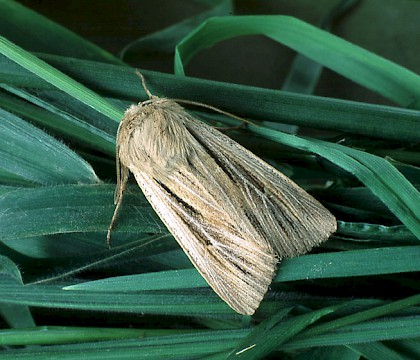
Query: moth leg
122	178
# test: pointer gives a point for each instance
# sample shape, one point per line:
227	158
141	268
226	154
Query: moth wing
234	260
288	217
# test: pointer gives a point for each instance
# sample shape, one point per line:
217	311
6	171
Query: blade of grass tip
313	266
165	40
162	280
191	303
359	65
58	79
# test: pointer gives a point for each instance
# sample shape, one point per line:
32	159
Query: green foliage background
356	297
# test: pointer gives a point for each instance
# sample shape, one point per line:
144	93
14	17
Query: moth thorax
158	139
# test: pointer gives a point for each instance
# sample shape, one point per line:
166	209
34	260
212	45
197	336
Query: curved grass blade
361	66
382	178
165	40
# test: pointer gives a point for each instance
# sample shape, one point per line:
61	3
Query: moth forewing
240	274
288	216
233	214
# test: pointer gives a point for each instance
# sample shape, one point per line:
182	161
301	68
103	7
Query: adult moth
234	215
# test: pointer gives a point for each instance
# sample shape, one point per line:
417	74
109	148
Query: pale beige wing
284	214
230	211
203	209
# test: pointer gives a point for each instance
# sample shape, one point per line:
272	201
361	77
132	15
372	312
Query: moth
234	215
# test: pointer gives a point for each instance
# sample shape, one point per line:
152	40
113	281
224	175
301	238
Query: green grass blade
304	72
368	331
199	303
356	230
165	40
184	346
258	336
173	279
34	157
50	335
377	351
375	312
410	348
314	266
72	208
383	179
58	79
272	332
15	315
54	119
251	102
363	67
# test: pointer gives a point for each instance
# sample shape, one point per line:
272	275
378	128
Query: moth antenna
143	82
195	103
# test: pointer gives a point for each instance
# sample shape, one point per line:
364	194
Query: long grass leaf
383	179
58	79
372	71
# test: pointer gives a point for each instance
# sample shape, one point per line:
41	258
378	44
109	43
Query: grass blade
363	67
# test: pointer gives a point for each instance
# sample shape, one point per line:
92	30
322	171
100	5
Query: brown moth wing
237	267
282	212
199	203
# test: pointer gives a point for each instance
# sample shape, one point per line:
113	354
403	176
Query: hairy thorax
152	137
